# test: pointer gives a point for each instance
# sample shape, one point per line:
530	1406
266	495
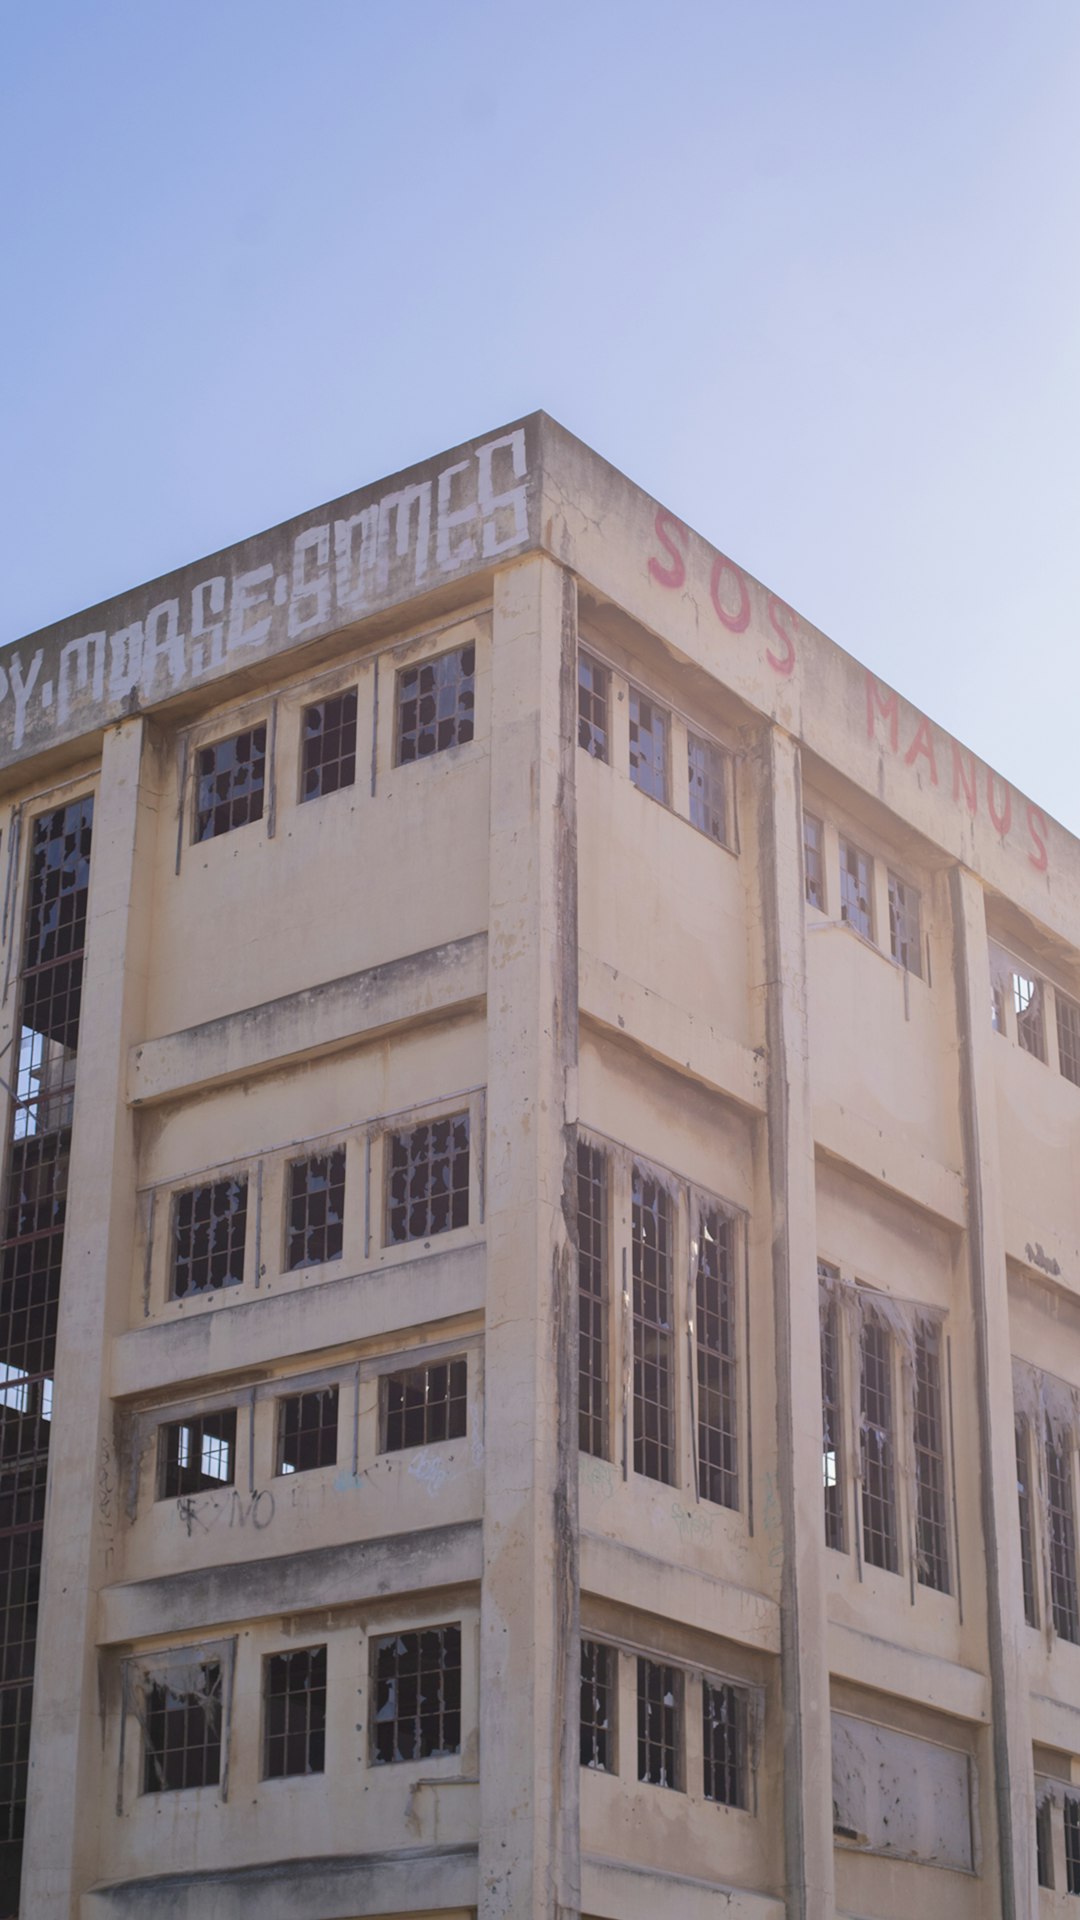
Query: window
592	1300
648	746
1027	993
599	1685
194	1455
725	1726
307	1427
831	1420
435	702
931	1531
328	759
905	936
209	1225
654	1423
659	1701
316	1229
429	1179
1027	1534
417	1695
717	1411
294	1713
878	1446
1061	1520
594	683
424	1405
856	906
230	780
1044	1842
1068	1032
708	770
814	860
1072	1843
182	1728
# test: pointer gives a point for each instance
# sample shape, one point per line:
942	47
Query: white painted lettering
76	656
512	502
22	689
207	598
125	662
168	642
400	506
250	590
355	560
310	603
450	558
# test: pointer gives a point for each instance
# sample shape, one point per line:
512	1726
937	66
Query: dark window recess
659	1691
1044	1842
435	701
814	860
1072	1843
593	687
905	925
931	1531
209	1226
194	1455
294	1710
1061	1518
1027	1532
417	1695
230	780
182	1730
831	1421
599	1668
708	770
648	746
878	1446
717	1410
307	1430
424	1405
329	746
429	1179
856	871
316	1230
1068	1031
654	1407
592	1300
725	1728
1028	998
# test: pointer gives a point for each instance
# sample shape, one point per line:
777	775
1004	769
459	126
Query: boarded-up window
897	1794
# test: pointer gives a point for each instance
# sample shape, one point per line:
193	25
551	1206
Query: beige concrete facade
541	1244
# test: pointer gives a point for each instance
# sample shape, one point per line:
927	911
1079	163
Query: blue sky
808	273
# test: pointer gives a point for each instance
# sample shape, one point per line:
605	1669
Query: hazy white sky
808	273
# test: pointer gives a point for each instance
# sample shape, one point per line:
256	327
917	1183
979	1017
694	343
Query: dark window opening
1072	1843
708	771
1027	995
1027	1532
878	1447
209	1229
294	1705
230	781
429	1179
194	1455
593	688
1068	1031
659	1701
654	1385
725	1736
832	1424
599	1670
592	1301
417	1695
435	703
814	860
182	1732
329	746
856	883
307	1430
424	1405
316	1219
1061	1517
717	1411
1044	1843
905	925
648	746
931	1531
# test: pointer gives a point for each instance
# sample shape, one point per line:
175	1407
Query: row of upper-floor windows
1057	1849
1047	1465
1029	1010
846	887
655	734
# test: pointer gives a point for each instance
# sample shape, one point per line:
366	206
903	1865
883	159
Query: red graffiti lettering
965	777
922	744
1002	820
888	708
786	663
734	622
1037	828
675	575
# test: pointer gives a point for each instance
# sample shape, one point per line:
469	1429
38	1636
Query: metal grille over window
209	1228
429	1179
648	746
316	1231
417	1695
425	1405
658	1697
1061	1518
856	871
307	1430
1027	1533
182	1730
294	1700
905	931
654	1424
878	1446
831	1423
329	746
593	691
230	782
435	702
194	1455
725	1739
708	770
814	860
1068	1032
599	1668
1027	993
1072	1843
931	1531
34	1203
592	1301
717	1411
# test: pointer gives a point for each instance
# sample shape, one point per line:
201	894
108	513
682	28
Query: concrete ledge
422	1881
319	1020
705	1601
888	1162
611	1890
611	999
888	1668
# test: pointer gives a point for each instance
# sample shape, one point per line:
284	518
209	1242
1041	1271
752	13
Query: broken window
931	1531
328	758
429	1179
424	1405
594	684
1061	1520
717	1411
648	746
230	777
592	1300
725	1727
599	1685
294	1713
831	1418
878	1446
209	1228
708	770
435	702
905	933
417	1695
659	1700
1027	1534
856	888
1027	994
814	860
197	1454
307	1429
182	1727
654	1410
1044	1841
316	1221
1068	1032
1072	1843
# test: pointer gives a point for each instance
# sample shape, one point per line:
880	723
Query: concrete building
540	1302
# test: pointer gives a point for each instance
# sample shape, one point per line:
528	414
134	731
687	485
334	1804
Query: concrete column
808	1837
1009	1694
82	1513
529	1634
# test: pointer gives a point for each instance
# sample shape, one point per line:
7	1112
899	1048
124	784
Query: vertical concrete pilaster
529	1632
83	1496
